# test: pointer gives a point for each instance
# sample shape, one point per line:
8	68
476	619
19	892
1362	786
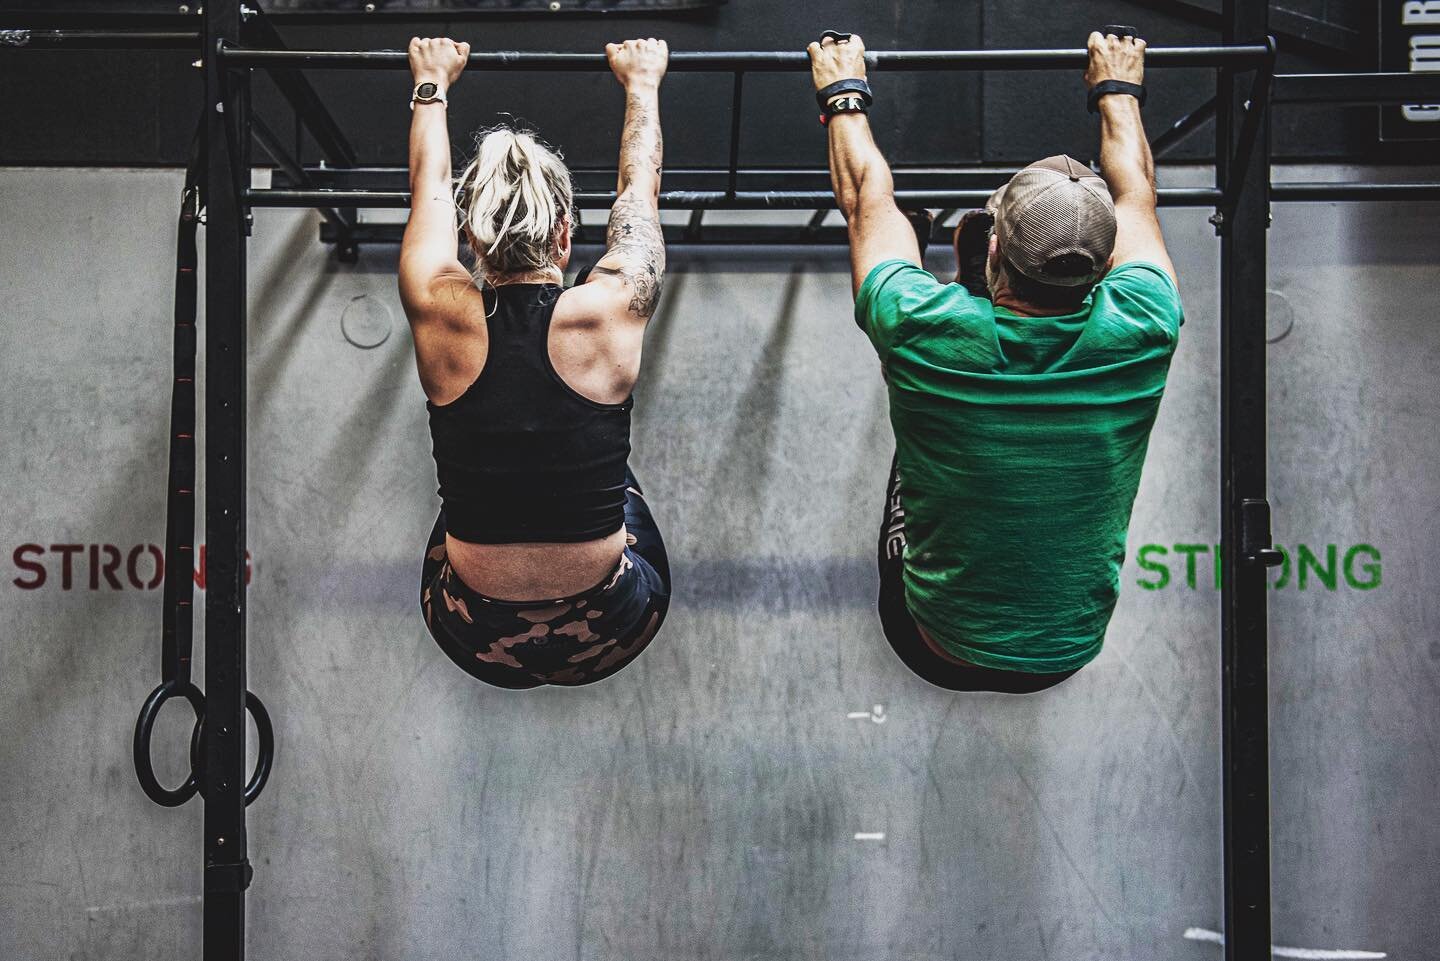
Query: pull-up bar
1226	55
696	199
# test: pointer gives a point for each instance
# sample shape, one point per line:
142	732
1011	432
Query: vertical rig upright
227	869
1242	158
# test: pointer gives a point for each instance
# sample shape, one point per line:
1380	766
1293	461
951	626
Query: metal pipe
737	99
267	139
1182	128
100	39
1242	167
1359	192
824	200
227	869
701	199
1235	55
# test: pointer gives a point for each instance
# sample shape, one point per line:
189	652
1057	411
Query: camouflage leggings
567	641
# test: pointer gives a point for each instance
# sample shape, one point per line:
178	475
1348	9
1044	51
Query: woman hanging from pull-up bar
545	566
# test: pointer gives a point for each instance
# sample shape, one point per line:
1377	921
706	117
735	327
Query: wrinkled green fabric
1020	443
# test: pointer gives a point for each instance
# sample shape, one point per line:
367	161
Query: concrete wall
704	804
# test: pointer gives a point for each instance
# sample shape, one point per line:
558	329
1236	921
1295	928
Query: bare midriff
535	572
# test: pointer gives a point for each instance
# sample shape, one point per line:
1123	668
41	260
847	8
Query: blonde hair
513	199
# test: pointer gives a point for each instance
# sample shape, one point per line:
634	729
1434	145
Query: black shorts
904	636
566	641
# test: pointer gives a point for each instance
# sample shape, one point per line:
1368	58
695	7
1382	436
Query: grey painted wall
704	803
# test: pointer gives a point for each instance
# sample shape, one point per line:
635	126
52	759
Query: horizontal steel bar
589	179
693	199
1357	191
99	39
1234	55
1356	88
676	235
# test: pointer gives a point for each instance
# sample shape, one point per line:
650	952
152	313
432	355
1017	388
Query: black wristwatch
428	92
843	105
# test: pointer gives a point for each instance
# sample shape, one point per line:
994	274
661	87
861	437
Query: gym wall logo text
1195	566
99	567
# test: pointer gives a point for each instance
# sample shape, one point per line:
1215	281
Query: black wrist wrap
1136	90
854	85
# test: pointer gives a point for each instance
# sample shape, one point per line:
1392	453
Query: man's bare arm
1125	159
863	185
634	260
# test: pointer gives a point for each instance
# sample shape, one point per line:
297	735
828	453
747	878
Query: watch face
426	90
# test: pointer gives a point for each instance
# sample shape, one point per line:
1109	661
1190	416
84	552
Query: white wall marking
869	835
1307	954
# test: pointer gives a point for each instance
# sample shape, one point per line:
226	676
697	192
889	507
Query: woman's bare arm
431	274
634	262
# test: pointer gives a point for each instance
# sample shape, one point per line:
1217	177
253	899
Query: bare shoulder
585	306
594	346
451	340
449	302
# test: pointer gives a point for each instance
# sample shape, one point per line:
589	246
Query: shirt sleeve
888	297
1142	289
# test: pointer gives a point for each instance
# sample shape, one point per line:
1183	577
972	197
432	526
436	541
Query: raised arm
864	188
633	266
1125	160
430	266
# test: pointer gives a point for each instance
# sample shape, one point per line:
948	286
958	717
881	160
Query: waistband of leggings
589	593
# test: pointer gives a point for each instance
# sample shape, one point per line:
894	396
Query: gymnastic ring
145	727
265	756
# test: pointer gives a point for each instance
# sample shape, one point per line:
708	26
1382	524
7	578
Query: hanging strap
177	624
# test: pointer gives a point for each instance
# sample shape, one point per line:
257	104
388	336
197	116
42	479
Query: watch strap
1105	87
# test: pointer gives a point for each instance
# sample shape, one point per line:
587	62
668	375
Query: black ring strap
177	625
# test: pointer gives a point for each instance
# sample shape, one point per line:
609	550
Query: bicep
1138	236
429	258
632	269
879	232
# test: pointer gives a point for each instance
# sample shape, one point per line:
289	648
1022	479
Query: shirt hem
1023	665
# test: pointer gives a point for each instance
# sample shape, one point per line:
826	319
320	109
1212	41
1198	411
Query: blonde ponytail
513	198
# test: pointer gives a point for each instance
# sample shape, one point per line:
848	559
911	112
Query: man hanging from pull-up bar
1022	406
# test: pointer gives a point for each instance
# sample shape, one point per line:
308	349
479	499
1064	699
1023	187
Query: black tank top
521	456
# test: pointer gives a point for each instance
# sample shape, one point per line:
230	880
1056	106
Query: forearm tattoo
635	243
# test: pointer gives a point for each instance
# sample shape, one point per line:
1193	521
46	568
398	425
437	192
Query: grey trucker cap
1055	222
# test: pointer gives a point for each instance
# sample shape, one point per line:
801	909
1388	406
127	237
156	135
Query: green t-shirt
1020	442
